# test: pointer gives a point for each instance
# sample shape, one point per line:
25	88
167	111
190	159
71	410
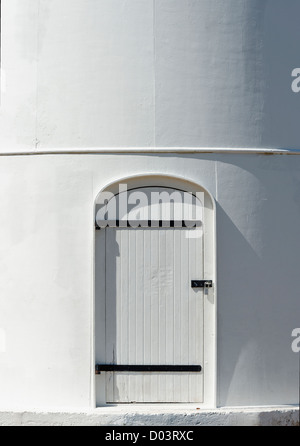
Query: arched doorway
150	295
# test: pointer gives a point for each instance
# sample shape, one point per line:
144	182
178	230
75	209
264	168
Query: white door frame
210	300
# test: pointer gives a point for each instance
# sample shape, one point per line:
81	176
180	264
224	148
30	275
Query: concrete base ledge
156	416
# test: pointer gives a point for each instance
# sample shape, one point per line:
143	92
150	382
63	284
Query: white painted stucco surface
144	73
47	237
204	75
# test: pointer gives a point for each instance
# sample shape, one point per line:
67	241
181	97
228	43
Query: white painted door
153	316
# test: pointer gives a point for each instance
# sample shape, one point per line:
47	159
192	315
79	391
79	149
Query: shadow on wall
281	38
258	276
257	310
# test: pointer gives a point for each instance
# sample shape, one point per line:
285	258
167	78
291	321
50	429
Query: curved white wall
144	73
140	73
46	272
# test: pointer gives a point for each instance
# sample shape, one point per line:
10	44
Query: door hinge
146	368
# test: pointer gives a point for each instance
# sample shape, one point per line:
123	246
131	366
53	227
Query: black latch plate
201	284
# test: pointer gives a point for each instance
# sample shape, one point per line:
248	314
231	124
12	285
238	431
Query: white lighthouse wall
47	237
140	73
113	74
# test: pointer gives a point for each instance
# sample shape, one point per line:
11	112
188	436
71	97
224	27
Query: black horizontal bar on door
153	224
146	368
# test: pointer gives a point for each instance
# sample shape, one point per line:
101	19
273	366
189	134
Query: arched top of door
151	201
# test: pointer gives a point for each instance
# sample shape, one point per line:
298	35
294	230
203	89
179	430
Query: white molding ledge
150	150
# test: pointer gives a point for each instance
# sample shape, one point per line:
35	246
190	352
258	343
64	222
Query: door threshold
150	407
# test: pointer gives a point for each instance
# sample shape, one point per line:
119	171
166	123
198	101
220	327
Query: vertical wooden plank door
153	316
